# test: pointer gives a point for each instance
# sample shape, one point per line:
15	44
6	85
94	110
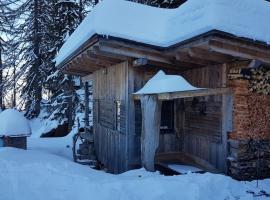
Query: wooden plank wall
110	85
195	133
120	151
202	133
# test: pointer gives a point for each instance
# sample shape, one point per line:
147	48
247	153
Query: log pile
249	145
259	116
251	112
249	159
260	81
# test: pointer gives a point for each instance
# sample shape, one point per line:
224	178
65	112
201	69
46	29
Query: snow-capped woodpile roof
13	123
166	27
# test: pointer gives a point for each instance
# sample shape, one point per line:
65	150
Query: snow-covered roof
13	123
165	27
162	83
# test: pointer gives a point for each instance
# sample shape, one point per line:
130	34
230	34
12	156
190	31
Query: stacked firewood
259	116
249	159
260	80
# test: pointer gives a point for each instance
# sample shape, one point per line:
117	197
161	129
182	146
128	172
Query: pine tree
8	45
64	99
34	53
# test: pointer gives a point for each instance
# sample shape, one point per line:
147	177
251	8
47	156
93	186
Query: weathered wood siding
17	142
110	86
198	122
198	126
202	132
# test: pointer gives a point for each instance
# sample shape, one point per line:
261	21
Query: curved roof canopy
162	83
13	123
166	27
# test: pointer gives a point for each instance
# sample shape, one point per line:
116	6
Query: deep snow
37	175
46	172
13	123
165	27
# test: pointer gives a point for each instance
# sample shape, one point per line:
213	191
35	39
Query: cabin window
106	116
118	115
138	118
167	117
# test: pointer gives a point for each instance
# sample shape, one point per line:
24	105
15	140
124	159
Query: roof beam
88	64
131	52
238	50
77	72
185	57
199	53
188	94
93	61
94	55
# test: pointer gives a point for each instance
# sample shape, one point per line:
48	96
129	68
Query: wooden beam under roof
87	63
95	55
77	72
179	66
93	61
77	66
187	94
200	53
185	57
132	51
134	54
237	49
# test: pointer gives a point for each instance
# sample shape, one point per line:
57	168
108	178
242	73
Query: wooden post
86	101
226	125
151	111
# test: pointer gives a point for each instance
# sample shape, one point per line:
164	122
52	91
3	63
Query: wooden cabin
219	128
14	129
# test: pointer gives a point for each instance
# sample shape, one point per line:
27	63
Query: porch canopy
163	87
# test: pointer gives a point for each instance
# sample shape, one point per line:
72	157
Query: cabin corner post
86	102
151	111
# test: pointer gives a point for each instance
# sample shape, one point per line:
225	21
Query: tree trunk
151	114
38	87
14	87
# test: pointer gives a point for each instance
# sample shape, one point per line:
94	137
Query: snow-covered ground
46	172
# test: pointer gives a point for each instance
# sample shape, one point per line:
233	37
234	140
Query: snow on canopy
162	83
13	123
165	27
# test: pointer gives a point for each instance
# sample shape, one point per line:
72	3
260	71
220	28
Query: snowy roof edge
193	18
213	32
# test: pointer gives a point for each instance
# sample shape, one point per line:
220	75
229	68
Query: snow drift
38	175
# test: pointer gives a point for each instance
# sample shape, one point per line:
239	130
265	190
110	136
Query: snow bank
162	83
13	123
165	27
41	125
37	175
